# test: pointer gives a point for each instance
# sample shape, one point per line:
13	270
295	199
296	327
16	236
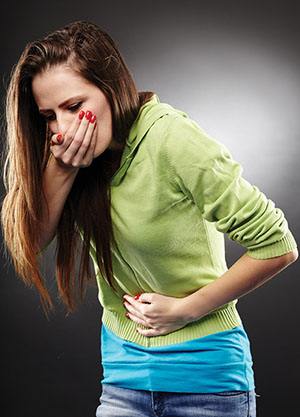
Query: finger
56	139
148	332
136	306
66	138
76	139
134	311
137	320
145	298
90	152
128	298
131	300
131	303
89	156
75	125
85	152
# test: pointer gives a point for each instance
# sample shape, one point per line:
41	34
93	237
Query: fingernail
59	138
137	297
93	118
123	303
88	114
127	315
124	297
81	114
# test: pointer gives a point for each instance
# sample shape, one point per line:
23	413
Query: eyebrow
64	103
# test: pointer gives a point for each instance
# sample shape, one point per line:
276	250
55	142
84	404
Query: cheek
99	112
101	108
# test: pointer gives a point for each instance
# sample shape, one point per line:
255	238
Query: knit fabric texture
176	193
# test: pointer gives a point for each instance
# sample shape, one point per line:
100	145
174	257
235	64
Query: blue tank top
215	363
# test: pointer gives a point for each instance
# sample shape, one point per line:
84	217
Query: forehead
56	84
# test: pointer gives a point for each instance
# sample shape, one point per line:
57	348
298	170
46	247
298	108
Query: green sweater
176	193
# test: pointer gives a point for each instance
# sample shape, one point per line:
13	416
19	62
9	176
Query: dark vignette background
233	66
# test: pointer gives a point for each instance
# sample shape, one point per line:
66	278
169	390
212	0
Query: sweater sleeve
203	169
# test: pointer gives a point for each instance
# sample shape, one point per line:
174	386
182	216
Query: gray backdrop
232	66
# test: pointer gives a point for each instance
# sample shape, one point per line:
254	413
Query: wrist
187	310
197	305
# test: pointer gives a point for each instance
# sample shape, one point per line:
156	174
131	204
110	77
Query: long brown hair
95	56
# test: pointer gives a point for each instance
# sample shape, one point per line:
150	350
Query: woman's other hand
76	147
160	314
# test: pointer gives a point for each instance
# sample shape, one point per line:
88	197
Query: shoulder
183	139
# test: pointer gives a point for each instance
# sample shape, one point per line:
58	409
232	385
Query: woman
151	195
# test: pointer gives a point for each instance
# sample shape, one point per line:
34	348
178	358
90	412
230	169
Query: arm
162	314
74	150
244	276
57	183
202	169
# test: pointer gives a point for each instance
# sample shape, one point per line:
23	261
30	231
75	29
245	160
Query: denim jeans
123	402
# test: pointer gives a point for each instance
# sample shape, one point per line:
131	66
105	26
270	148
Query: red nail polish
59	138
93	118
137	297
124	303
81	114
127	315
88	114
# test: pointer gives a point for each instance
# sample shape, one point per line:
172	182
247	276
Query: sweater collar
144	117
151	111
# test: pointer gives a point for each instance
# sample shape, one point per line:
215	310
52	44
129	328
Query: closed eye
51	117
75	106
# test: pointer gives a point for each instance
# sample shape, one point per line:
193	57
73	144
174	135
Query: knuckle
152	323
56	153
66	160
84	146
146	314
68	136
77	141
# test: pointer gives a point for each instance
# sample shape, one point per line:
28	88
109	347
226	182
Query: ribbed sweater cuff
218	321
283	246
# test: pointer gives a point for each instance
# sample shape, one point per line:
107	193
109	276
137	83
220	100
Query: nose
63	122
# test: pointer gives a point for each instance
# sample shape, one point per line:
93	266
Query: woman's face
61	93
